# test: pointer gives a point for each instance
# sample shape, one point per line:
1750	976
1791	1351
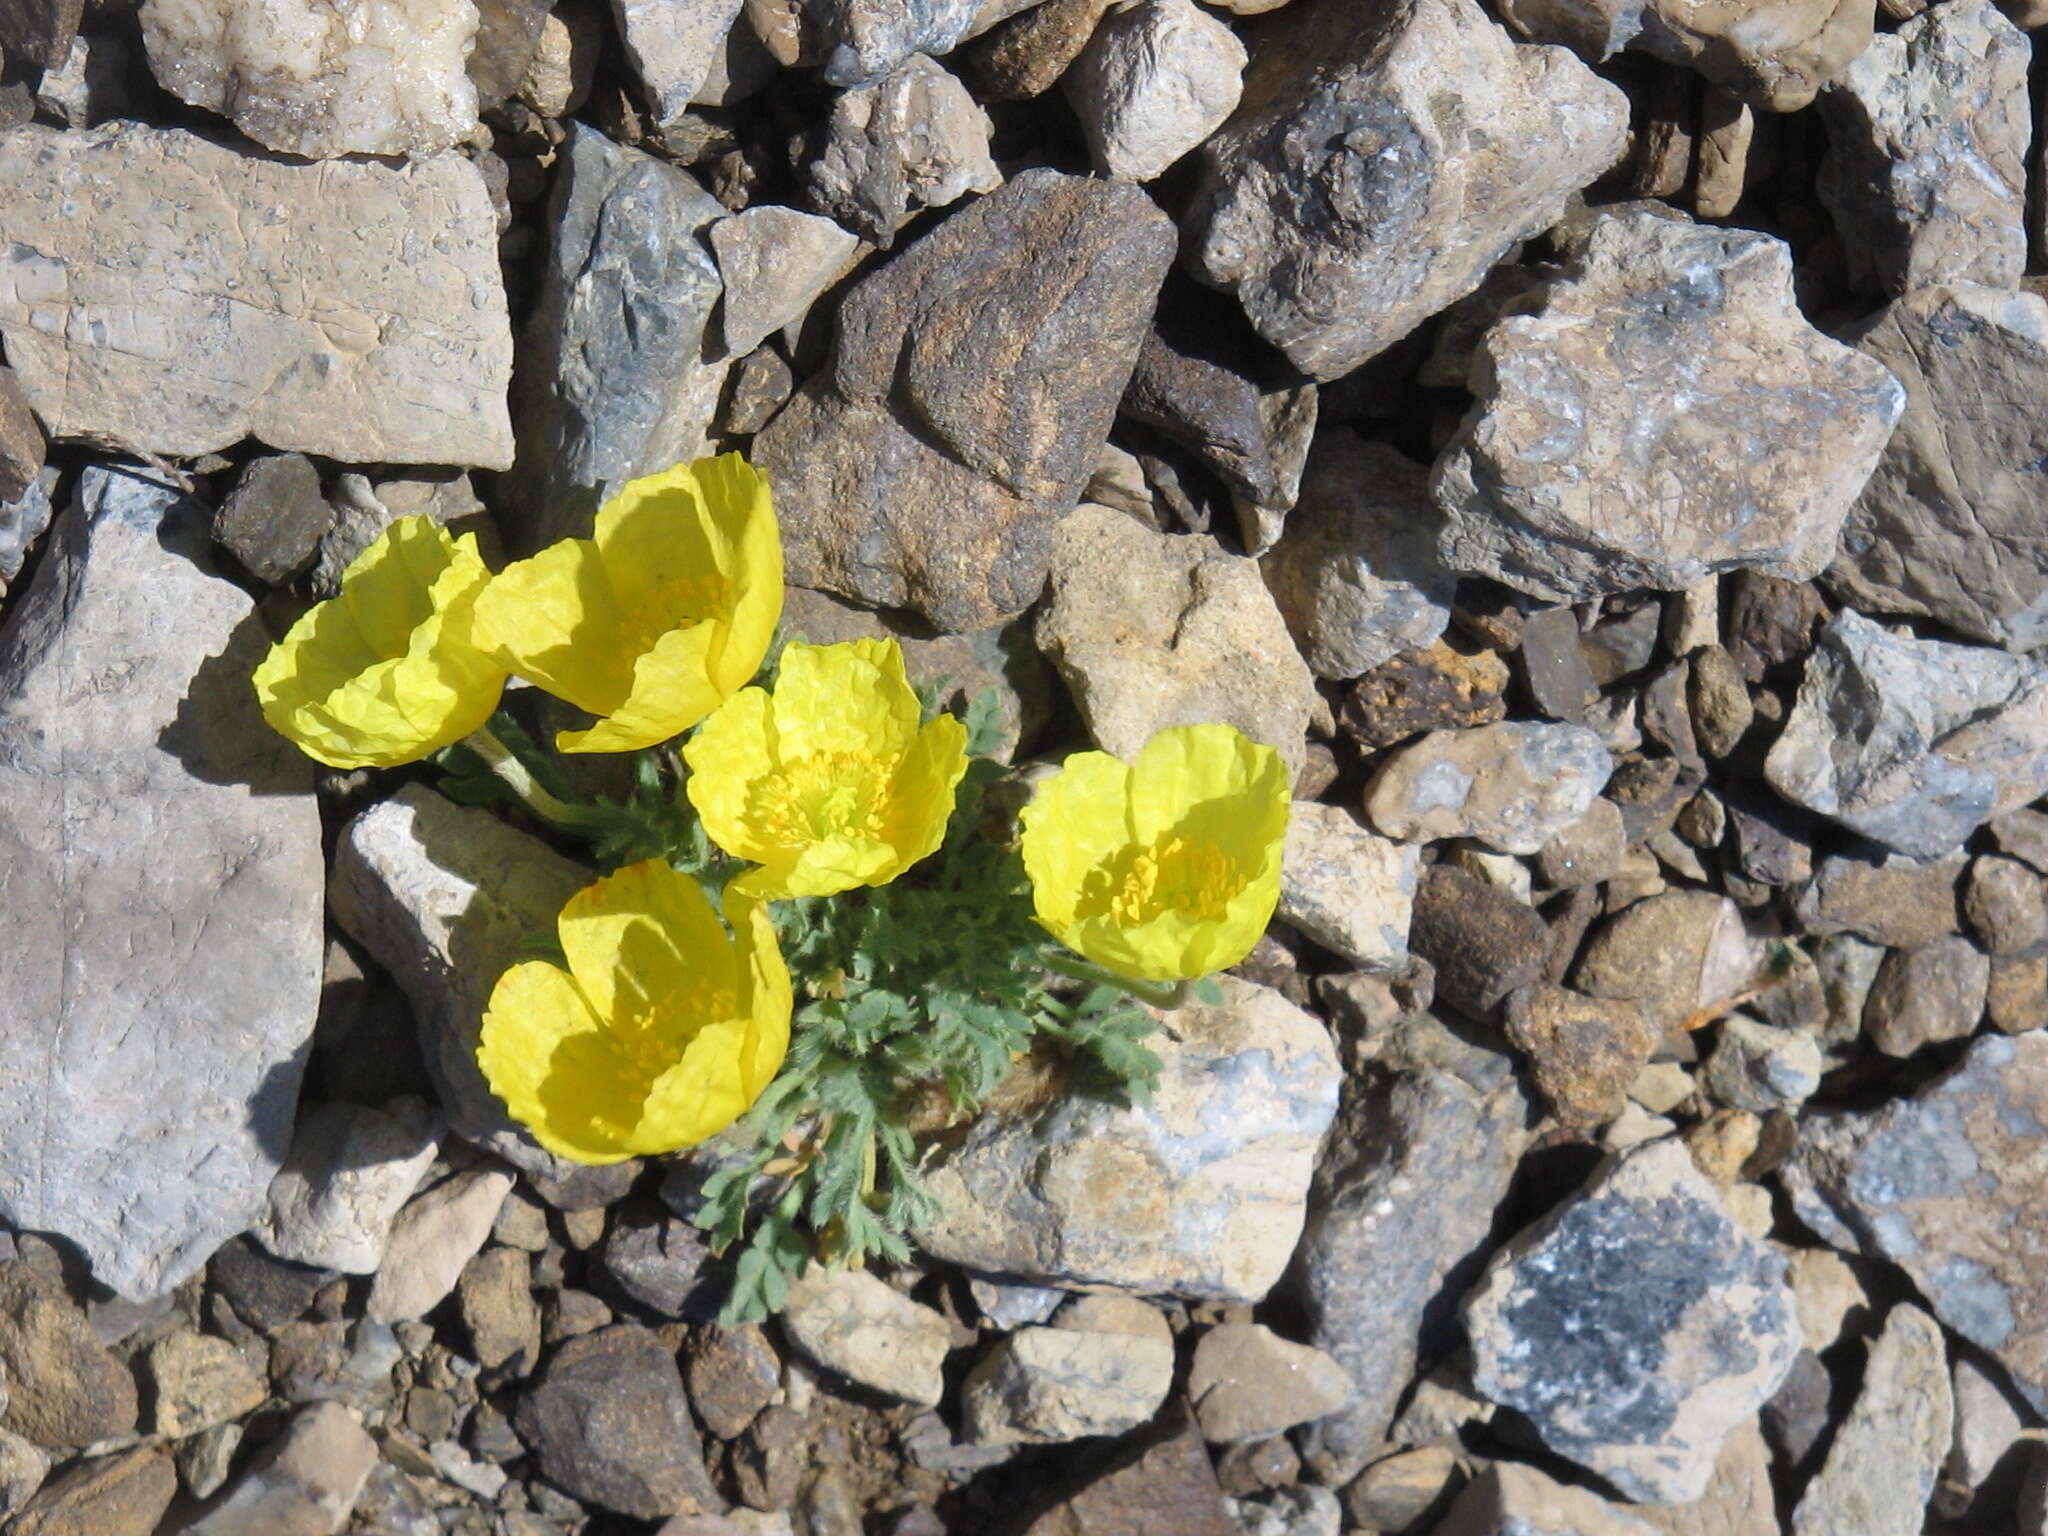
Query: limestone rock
1635	1326
1672	952
432	1239
166	295
673	45
304	1483
774	261
1946	525
1738	1501
350	1169
1350	891
1927	143
1247	1383
971	388
863	1328
1509	1499
1156	79
64	1390
1947	1185
381	77
612	380
1402	1211
1913	743
22	521
862	40
1152	630
1104	1367
1356	572
1513	786
1883	1460
1197	1195
1774	56
444	897
1411	207
912	139
200	1381
160	858
1664	415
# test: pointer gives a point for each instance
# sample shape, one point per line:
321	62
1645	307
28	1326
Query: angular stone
912	139
1946	527
929	466
1927	143
1437	688
1583	1052
1665	414
732	1374
350	1169
23	1467
1775	57
199	1381
1513	786
444	897
1739	1500
1197	1195
1025	55
122	1495
1587	852
1913	743
1402	1211
380	78
1762	1067
508	38
40	32
774	261
1156	79
1087	1375
1412	206
673	45
274	518
22	522
21	445
1158	1482
1887	899
353	310
867	1331
1247	1383
1482	941
304	1483
1926	995
1948	1185
64	1389
1635	1326
607	1422
1884	1458
1350	891
1987	1428
663	1265
1356	573
160	857
1672	952
1509	1499
495	1296
1152	630
862	40
612	384
436	1234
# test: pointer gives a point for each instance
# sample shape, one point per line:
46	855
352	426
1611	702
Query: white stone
432	1239
167	295
1248	1383
1513	786
1350	891
1156	79
1048	1385
863	1328
350	1169
1881	1465
303	1483
774	261
673	46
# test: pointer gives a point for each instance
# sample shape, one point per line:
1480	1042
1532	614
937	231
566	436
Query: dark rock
586	1187
1482	941
1927	994
1650	792
912	139
507	37
39	32
661	1262
1772	841
1025	55
607	1421
1158	1480
1553	666
1243	1469
1888	899
1621	647
1213	408
732	1374
757	387
1797	1416
1400	1211
274	518
64	1389
972	386
1770	624
21	438
265	1292
1583	1051
124	1495
1439	688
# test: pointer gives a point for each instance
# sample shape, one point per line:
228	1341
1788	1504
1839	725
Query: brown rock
21	439
64	1389
304	1483
495	1296
1161	1483
1928	994
1888	899
2006	904
124	1495
1583	1051
1738	1502
1025	55
1439	688
972	386
1721	707
200	1381
1777	64
1405	1491
732	1374
39	34
274	518
1771	624
1482	941
2018	995
1673	953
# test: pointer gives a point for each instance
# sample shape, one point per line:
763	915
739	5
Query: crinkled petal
921	793
553	619
768	995
852	697
544	1054
734	749
645	941
1077	822
671	691
738	497
822	868
1185	765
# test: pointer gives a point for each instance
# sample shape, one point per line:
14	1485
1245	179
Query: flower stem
1166	997
518	778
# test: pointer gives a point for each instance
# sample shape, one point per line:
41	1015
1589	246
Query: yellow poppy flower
830	782
1166	869
661	1032
386	671
657	617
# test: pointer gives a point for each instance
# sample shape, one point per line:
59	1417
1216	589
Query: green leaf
983	718
1207	992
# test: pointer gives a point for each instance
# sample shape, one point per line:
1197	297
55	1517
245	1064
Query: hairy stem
518	778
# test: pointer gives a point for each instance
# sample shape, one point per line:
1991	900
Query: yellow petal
850	698
671	690
823	868
732	751
922	790
1187	765
1075	824
543	1052
553	620
769	998
644	942
738	496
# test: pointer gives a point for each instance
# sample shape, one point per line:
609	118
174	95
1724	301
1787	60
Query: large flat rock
165	294
160	868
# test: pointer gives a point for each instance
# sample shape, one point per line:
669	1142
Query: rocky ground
1600	443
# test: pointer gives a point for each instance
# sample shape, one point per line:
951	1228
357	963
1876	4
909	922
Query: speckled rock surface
1881	1466
1512	786
1348	890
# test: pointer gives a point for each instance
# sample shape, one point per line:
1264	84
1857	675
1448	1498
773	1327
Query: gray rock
1247	1383
362	511
1946	525
673	45
863	40
274	518
1635	1326
1944	1185
1882	1463
1356	573
1987	1428
1010	1307
2006	904
863	1328
928	466
607	1422
160	855
1927	141
1217	401
1402	1211
1307	1509
1161	1480
1762	1067
1152	630
1198	1194
1913	743
1739	1500
1665	414
444	897
349	1170
22	521
1513	786
1410	207
1156	79
661	1265
1104	1367
432	1239
265	1293
1509	1499
305	1481
1554	667
612	382
912	139
774	261
23	1466
1350	891
264	305
1927	994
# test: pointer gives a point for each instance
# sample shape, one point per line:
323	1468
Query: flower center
671	604
1173	875
829	795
